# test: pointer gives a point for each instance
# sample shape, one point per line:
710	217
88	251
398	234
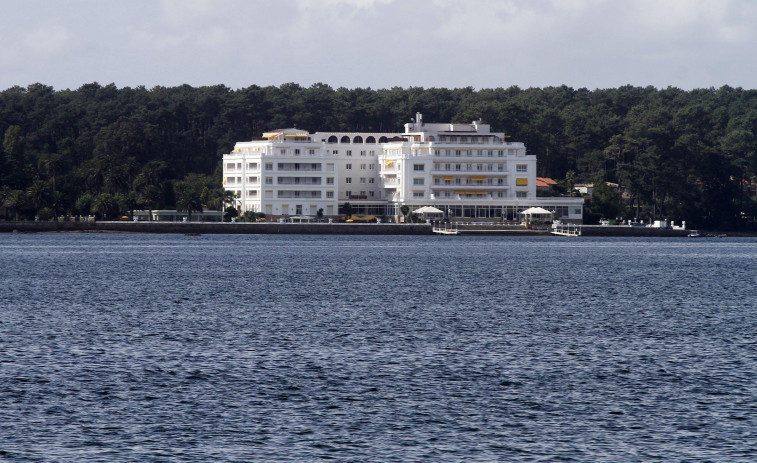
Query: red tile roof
544	182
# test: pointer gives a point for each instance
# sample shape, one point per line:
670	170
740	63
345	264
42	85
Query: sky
379	43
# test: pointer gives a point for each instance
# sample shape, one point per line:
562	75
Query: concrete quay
215	228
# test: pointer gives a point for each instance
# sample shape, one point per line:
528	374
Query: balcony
299	181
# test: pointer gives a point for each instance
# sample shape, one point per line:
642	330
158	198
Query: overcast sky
380	43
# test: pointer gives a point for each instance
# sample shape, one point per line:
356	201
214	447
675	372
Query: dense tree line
682	155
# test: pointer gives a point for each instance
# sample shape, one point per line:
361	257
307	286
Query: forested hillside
682	155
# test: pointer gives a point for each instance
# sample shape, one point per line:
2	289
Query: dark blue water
143	348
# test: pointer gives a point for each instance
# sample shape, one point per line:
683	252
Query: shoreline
211	228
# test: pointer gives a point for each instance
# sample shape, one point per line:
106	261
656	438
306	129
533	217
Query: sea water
171	348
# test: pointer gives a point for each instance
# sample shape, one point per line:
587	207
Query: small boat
694	234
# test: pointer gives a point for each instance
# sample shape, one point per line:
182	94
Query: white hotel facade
462	169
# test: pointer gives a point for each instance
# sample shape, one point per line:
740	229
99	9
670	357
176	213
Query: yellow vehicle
362	219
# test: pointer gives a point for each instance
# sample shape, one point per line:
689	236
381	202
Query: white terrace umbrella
536	211
427	210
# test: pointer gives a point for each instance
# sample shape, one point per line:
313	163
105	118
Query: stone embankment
619	230
217	228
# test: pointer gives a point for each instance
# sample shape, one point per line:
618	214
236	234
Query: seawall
600	230
217	228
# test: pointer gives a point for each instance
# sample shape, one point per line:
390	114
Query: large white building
465	170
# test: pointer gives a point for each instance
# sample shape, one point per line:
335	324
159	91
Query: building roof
544	182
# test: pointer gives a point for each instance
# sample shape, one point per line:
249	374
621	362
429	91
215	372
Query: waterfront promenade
216	228
265	228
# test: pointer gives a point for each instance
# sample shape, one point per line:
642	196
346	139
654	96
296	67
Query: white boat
694	234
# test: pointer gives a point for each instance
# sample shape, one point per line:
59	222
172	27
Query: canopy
428	210
536	211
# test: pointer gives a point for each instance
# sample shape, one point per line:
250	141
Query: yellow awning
478	178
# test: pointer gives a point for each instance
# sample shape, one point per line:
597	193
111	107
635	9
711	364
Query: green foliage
347	210
681	155
230	212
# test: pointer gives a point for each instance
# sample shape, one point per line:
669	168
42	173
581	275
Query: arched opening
431	138
357	139
345	139
370	140
333	139
382	140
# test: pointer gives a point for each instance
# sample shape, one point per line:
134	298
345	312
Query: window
373	166
362	193
283	151
362	179
417	194
252	180
347	194
348	166
349	152
362	153
417	181
348	180
370	193
362	166
269	180
329	180
521	168
269	194
268	166
230	166
230	180
296	151
311	152
335	152
500	153
371	180
329	194
252	165
418	167
252	193
521	194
